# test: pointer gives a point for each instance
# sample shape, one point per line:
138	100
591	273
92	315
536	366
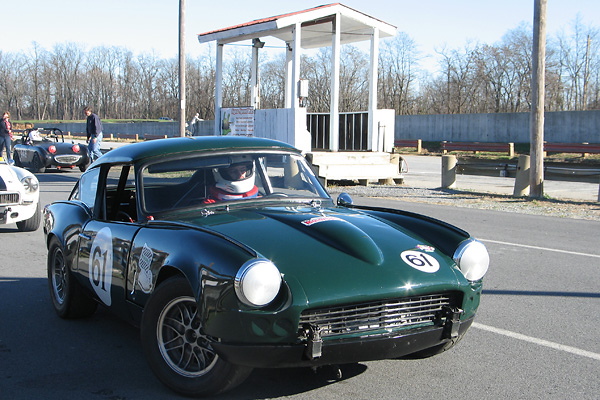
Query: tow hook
452	324
314	342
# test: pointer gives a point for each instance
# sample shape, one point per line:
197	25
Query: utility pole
536	120
182	68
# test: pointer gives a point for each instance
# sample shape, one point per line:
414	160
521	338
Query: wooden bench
583	148
409	143
476	147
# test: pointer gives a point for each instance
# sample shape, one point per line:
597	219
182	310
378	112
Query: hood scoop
334	232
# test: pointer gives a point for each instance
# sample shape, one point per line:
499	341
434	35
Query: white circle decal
101	264
421	261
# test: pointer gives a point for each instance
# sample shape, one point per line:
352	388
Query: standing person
6	136
93	129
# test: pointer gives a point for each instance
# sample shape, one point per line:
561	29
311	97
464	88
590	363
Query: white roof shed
322	26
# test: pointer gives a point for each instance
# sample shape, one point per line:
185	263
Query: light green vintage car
230	255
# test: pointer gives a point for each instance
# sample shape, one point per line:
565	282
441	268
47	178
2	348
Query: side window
120	194
88	186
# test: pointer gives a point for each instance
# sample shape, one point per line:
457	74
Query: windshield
208	180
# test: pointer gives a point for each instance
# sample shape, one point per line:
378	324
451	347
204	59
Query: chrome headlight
257	282
472	259
30	184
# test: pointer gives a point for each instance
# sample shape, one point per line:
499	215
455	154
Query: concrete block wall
559	127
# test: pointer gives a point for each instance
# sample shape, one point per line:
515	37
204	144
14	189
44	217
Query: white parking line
541	342
541	248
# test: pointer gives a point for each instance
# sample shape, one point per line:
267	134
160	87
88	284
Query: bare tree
398	68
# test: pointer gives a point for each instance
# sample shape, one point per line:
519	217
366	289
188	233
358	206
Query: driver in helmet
235	182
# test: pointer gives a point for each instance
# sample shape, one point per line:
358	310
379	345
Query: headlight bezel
472	259
30	184
258	282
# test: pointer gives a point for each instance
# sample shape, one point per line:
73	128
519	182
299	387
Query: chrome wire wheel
182	344
59	276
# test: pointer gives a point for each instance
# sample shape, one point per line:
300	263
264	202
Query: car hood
335	252
10	177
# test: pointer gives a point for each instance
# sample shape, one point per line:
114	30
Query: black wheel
83	167
67	295
17	159
177	350
38	166
33	223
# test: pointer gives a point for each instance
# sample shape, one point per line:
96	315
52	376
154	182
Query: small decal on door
144	271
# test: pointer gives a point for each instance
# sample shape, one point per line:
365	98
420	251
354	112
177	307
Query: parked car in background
230	255
19	197
39	149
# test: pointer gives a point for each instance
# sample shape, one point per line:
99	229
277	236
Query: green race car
230	255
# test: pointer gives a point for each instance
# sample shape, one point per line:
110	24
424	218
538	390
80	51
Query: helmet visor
238	171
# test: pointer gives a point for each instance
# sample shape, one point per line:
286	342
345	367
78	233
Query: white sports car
19	197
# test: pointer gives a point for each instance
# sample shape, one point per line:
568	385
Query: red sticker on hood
316	220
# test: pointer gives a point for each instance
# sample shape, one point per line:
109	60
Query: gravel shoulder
485	201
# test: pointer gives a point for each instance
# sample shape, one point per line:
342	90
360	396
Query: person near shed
94	133
6	136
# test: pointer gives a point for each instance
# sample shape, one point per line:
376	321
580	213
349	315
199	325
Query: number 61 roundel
421	261
101	264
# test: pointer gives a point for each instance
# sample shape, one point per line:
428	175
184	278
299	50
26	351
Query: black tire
178	352
38	166
83	167
33	223
67	295
17	160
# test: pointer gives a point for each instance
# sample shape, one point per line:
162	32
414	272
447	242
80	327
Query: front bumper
16	213
342	351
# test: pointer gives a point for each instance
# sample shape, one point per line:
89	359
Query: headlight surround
472	259
30	184
257	282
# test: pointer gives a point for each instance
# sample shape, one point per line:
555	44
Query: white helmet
238	177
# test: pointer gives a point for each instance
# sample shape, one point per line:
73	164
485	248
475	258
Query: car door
105	241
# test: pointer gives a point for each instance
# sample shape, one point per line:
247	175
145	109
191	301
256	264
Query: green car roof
152	148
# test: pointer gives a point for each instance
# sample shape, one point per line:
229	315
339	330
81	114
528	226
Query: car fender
64	220
208	260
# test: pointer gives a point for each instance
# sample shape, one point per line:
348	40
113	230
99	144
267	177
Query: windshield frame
269	193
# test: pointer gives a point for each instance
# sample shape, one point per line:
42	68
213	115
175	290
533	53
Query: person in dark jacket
6	136
94	133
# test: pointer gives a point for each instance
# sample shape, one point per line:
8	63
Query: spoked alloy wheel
68	297
177	350
183	346
58	278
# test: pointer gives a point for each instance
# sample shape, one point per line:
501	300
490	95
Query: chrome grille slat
10	198
378	315
67	159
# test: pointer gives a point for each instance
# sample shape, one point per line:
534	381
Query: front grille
67	159
364	318
7	199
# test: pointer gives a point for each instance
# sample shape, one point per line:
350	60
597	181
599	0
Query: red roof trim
268	19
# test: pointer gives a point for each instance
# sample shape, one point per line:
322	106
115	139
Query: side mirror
344	200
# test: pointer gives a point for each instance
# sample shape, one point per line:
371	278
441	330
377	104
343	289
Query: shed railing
353	131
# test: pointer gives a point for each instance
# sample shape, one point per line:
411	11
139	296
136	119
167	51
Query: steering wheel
126	217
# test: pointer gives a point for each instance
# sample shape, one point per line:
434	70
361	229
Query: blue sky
152	25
